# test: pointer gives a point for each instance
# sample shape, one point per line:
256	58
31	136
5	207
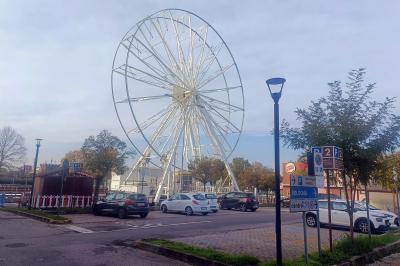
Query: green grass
38	213
208	253
343	250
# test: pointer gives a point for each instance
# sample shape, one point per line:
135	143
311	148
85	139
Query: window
174	197
120	196
323	204
199	197
339	206
110	196
229	195
184	197
211	196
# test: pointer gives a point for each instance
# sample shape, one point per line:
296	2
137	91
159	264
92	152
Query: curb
372	256
39	218
181	256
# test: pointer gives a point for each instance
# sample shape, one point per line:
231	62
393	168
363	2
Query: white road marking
79	229
152	226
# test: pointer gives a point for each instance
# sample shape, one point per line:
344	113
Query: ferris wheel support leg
217	144
167	166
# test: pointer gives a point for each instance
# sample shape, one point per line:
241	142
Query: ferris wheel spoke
220	89
220	115
153	119
161	73
214	76
230	107
170	55
208	61
154	53
145	98
178	127
181	55
131	75
161	61
219	128
141	74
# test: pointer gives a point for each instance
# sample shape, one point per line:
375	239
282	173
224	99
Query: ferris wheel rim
138	24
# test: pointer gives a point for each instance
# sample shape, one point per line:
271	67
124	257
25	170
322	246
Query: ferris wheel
177	93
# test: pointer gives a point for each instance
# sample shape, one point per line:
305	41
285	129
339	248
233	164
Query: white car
213	200
189	203
393	218
340	217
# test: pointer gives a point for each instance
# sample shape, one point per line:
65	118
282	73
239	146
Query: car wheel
253	210
311	220
96	211
121	213
188	211
143	215
243	207
164	208
362	226
204	213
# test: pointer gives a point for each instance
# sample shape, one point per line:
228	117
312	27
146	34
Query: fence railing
65	201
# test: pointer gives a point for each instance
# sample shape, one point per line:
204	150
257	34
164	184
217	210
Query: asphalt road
92	240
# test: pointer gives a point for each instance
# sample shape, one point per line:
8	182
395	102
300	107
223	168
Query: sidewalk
260	242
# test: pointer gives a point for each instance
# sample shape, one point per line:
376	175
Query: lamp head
275	86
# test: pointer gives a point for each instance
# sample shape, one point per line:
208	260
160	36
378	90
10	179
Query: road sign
332	157
318	161
302	205
303	198
299	192
306	181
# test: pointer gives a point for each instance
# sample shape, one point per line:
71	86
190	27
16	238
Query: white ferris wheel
176	85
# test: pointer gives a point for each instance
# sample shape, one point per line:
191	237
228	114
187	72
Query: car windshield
211	196
199	197
139	197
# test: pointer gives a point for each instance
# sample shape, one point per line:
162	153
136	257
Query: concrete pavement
28	242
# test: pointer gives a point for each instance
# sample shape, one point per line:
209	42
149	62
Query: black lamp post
34	170
275	86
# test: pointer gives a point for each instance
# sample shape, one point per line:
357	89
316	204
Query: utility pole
34	170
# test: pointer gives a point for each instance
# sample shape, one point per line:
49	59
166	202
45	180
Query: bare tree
12	148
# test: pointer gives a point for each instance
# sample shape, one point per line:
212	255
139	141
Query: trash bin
2	199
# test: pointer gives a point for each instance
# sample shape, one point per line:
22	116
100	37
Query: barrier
64	201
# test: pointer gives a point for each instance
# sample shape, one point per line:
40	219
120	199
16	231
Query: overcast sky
56	58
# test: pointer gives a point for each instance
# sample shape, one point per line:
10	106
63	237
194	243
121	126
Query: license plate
203	208
141	204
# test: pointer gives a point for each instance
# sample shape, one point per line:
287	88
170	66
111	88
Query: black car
238	200
122	204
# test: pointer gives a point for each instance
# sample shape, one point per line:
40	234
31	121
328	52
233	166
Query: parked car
322	196
285	201
188	203
213	200
238	200
393	218
122	204
340	217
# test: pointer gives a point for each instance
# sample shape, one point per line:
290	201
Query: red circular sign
290	168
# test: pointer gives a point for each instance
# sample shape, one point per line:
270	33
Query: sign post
303	198
319	173
332	159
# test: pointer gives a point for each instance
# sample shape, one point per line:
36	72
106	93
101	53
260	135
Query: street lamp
275	86
34	170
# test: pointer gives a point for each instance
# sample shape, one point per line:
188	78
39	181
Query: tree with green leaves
103	154
238	166
351	119
206	170
388	166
